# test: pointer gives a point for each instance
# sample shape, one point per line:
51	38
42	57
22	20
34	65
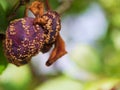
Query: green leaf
8	5
54	4
3	19
5	5
3	61
20	12
7	8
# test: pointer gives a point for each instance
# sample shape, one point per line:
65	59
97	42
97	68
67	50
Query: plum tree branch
65	5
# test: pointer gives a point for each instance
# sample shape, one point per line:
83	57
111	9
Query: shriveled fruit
23	40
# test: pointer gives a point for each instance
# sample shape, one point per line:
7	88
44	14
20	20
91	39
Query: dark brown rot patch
23	40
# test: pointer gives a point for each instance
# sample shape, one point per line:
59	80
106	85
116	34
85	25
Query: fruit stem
47	5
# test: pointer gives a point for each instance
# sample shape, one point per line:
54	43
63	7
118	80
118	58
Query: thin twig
47	5
16	7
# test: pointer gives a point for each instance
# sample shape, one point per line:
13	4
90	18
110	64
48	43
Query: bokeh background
91	31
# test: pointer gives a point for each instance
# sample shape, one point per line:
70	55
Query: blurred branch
37	79
16	7
47	5
65	5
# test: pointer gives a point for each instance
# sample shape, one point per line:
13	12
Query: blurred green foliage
3	19
15	78
87	58
3	62
103	62
59	83
78	6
